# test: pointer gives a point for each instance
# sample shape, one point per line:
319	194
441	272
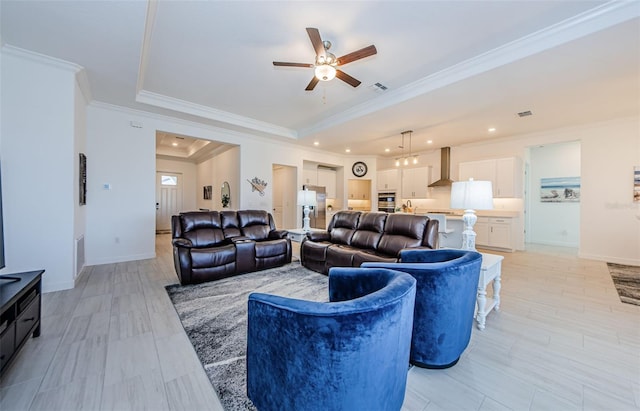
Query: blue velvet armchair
351	353
445	300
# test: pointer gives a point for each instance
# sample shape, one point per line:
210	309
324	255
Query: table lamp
306	198
470	196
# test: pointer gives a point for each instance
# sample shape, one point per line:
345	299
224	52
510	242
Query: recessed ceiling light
429	141
347	150
492	129
386	150
174	144
315	143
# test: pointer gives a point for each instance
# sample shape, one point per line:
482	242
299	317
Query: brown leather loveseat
212	245
354	237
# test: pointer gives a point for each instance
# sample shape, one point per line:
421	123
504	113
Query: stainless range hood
445	165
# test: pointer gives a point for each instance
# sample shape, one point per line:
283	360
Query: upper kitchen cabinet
359	189
327	177
310	177
505	174
415	182
387	180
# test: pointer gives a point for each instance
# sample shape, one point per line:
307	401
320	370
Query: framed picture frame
82	173
560	190
207	192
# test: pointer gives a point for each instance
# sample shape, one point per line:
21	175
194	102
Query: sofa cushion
202	229
254	224
401	231
340	255
363	256
343	226
271	248
370	229
230	224
213	257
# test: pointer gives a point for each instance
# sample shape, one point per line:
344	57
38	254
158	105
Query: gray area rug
214	315
626	278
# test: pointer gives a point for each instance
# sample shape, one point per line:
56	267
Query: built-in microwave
387	202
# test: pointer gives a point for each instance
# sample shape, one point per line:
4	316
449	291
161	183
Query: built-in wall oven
387	202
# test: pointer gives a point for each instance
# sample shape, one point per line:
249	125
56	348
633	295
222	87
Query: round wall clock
359	169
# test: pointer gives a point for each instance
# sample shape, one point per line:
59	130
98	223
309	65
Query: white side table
297	234
490	272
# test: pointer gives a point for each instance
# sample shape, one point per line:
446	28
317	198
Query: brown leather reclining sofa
354	237
212	245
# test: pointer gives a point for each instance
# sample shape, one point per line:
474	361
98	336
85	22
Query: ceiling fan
326	62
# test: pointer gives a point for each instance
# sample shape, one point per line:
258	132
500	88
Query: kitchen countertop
480	213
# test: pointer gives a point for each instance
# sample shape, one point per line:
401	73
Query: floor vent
79	256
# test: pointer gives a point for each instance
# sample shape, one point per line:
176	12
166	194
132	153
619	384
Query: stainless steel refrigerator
318	214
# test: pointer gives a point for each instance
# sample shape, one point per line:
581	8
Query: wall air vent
525	113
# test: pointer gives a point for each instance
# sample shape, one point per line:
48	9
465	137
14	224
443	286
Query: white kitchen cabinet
509	178
327	179
415	182
310	177
494	232
359	189
387	180
505	175
481	228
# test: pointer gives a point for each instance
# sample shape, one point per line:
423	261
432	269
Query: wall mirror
225	195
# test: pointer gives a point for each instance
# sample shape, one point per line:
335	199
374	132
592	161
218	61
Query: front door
168	199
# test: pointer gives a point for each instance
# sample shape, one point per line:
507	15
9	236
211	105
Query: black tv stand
10	277
20	302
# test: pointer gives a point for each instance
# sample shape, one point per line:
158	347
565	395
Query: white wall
80	146
205	177
609	219
38	163
553	223
120	221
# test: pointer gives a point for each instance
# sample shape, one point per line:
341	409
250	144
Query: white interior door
168	199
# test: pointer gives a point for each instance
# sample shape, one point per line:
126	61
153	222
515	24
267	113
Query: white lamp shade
472	195
307	198
325	72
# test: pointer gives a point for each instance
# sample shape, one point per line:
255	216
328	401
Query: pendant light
411	157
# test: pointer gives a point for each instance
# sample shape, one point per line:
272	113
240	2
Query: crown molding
199	110
150	19
591	21
10	50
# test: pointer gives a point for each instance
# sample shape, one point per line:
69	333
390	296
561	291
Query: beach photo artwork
560	190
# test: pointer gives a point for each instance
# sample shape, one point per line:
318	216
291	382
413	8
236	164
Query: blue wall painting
560	190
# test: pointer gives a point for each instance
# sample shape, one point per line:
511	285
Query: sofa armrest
239	239
182	242
319	236
275	234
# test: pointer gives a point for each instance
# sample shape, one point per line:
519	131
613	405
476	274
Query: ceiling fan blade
312	84
284	64
347	78
357	55
316	41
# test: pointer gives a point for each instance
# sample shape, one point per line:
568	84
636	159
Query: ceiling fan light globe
325	72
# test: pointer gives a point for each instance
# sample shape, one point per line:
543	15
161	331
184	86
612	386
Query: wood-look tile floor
562	341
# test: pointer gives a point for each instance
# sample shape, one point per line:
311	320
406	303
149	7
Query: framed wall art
207	192
560	190
636	184
82	187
